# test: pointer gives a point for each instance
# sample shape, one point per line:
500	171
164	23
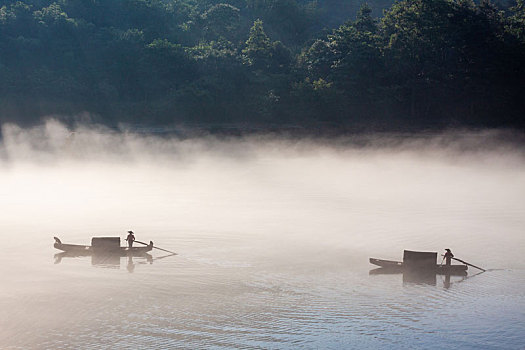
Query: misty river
273	237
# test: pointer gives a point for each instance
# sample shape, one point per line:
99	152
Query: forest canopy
381	65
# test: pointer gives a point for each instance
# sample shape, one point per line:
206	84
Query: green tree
289	21
52	15
364	21
516	24
346	68
356	55
221	20
258	48
425	50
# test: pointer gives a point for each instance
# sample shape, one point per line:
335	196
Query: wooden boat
398	265
418	262
102	246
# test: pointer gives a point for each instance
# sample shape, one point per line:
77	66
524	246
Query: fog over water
273	236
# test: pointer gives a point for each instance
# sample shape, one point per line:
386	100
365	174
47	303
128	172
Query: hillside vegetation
420	64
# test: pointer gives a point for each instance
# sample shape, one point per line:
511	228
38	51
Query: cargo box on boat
420	260
105	243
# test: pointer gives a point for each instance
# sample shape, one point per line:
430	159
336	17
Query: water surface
273	238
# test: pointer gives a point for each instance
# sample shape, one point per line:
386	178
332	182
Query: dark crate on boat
105	243
419	260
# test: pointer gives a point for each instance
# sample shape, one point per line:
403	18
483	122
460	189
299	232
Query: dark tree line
425	62
422	64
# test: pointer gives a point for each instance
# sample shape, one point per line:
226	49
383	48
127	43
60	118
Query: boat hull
83	250
397	266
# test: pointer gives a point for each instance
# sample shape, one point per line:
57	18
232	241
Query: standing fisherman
448	256
130	238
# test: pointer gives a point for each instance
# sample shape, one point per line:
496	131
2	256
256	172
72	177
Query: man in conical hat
130	238
448	256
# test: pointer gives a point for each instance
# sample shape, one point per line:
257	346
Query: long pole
466	263
164	250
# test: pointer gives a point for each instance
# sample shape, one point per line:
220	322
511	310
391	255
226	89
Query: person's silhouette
448	256
130	238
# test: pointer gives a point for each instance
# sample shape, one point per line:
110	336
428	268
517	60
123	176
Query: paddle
164	250
466	263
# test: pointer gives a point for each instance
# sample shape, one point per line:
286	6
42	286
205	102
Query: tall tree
258	48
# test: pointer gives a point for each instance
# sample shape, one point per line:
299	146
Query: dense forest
275	63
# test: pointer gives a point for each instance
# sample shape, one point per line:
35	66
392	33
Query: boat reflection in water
109	260
420	276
